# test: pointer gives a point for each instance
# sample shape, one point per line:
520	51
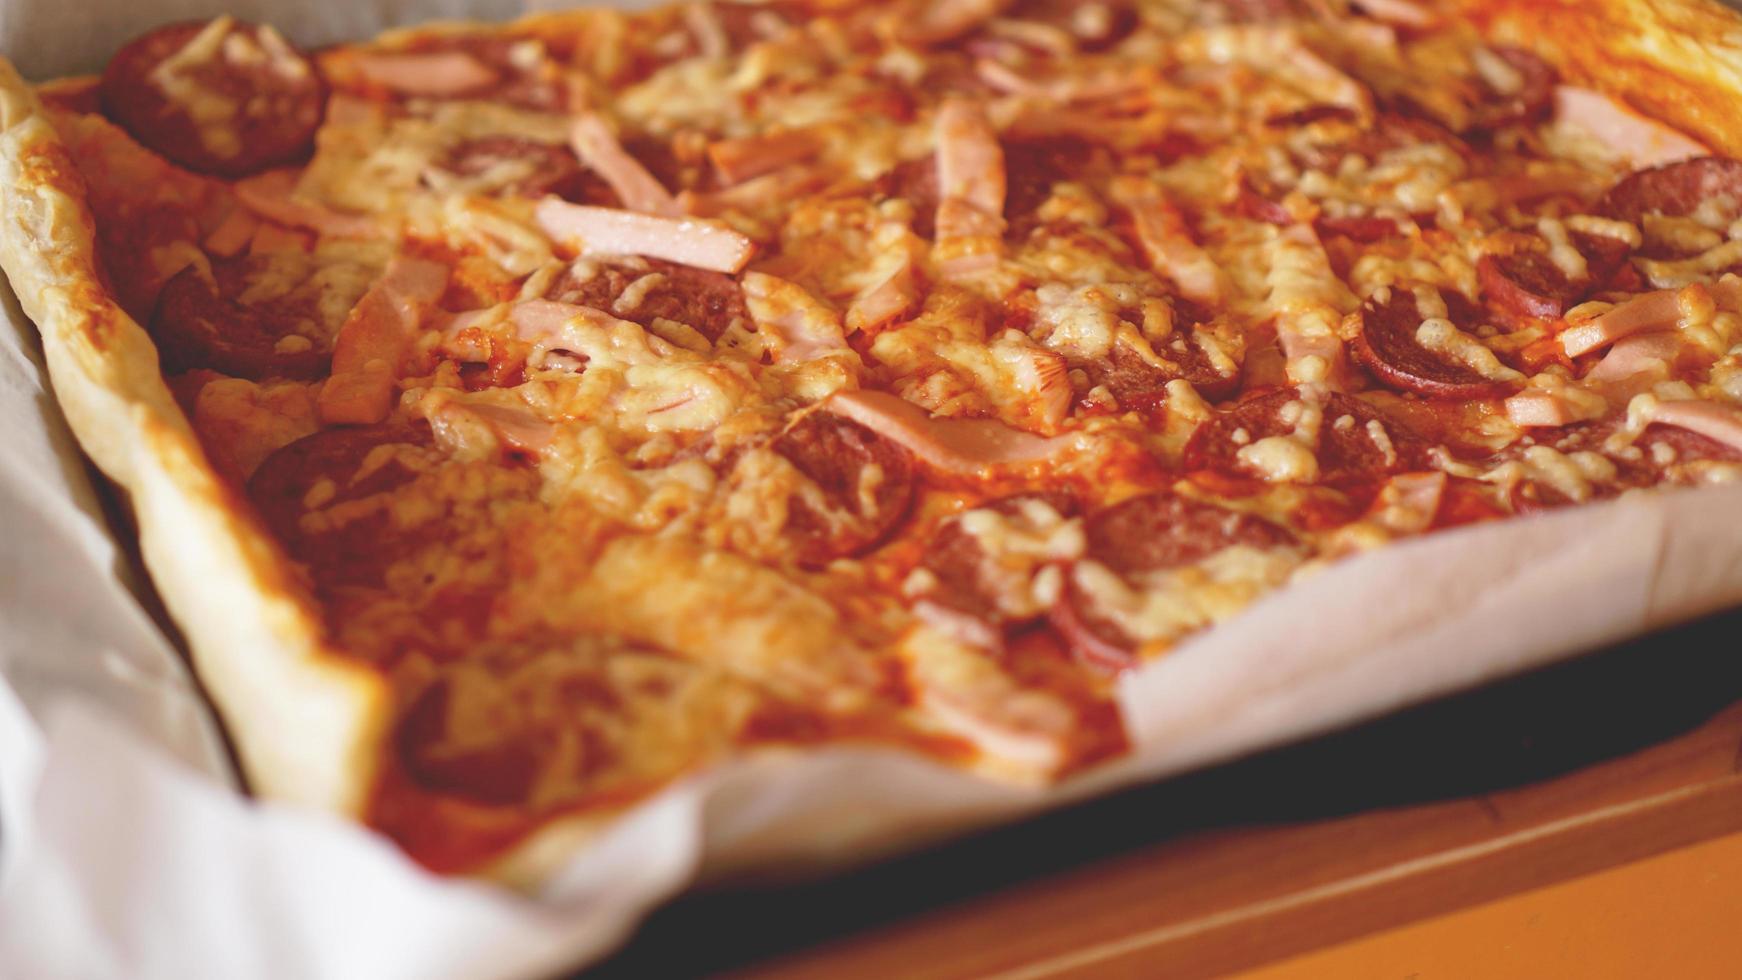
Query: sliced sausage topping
1678	190
710	302
866	483
220	97
517	167
302	492
1154	533
1348	440
200	322
1529	282
1415	351
978	592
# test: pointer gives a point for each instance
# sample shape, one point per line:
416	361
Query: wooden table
1581	767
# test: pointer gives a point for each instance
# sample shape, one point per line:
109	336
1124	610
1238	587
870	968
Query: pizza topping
271	315
609	231
1408	341
971	186
1300	436
647	290
794	325
442	74
1664	309
1546	279
374	338
739	160
1167	242
221	97
1684	207
1722	424
863	485
1127	589
325	497
273	196
1640	141
977	448
507	165
1520	86
986	570
597	146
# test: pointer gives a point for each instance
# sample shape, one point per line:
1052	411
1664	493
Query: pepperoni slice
525	168
358	550
1529	102
1677	190
501	772
1388	347
1137	384
708	301
197	324
255	100
1152	533
969	588
838	455
1355	442
1032	168
1528	283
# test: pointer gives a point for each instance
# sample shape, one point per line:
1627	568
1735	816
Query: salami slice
198	323
971	589
1354	442
1529	283
1137	384
867	481
1528	100
220	97
1031	169
1677	190
500	772
520	167
710	302
1389	346
1152	533
357	550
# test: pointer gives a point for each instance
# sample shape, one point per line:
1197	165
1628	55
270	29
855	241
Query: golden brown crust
1676	60
305	723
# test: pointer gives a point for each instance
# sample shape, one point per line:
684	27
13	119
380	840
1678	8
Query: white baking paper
126	851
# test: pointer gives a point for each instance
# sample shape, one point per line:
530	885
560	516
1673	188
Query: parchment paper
126	851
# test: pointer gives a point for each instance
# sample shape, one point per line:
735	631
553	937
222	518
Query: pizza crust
1679	61
308	724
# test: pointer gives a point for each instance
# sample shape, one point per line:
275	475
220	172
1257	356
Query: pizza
522	418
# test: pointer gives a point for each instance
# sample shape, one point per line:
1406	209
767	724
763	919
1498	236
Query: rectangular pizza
521	418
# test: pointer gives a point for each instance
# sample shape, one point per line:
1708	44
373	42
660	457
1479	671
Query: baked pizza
523	417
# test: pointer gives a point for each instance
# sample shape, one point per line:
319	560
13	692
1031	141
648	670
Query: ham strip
516	428
434	73
886	301
1092	86
1403	13
946	20
959	447
373	340
752	156
1646	313
271	196
1642	142
795	325
1719	423
971	187
1167	242
612	231
597	146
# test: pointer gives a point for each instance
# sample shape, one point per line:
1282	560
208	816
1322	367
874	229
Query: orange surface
1674	915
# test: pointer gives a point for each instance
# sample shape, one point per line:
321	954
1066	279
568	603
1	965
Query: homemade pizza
521	418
